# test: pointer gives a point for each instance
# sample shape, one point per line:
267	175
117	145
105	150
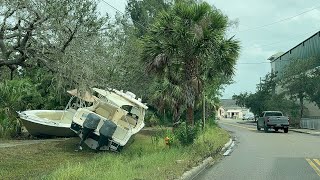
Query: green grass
143	159
29	161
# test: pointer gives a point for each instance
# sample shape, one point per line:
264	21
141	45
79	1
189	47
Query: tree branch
2	30
13	62
47	64
12	35
3	47
66	44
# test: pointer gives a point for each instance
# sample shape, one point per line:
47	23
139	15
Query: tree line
174	54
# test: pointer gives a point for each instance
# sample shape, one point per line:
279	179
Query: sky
264	28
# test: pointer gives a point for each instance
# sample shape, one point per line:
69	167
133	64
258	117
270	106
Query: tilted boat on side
113	119
55	122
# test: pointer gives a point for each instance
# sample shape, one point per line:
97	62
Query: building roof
307	49
302	44
234	110
275	56
229	103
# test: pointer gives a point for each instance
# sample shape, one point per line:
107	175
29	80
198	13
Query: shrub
16	95
9	127
186	134
151	119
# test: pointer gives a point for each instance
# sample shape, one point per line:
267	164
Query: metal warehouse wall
310	48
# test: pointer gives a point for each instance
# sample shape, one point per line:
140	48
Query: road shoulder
192	173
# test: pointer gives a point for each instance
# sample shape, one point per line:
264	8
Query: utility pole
204	110
260	85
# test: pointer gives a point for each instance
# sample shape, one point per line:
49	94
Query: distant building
309	48
229	109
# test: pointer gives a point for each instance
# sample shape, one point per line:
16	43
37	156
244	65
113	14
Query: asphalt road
267	156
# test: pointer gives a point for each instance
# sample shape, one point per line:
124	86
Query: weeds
147	158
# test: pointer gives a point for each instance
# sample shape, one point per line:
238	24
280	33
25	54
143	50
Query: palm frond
158	63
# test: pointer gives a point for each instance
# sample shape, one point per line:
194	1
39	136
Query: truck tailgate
278	120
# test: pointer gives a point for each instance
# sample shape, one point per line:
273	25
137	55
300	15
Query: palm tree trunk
11	74
190	115
191	71
203	112
174	118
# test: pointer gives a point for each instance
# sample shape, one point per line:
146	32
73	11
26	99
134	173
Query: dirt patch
153	131
12	143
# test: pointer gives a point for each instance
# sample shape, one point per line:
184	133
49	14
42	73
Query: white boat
55	122
113	119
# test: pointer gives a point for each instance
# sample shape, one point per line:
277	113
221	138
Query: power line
255	63
272	44
113	7
265	45
291	36
121	12
288	18
279	21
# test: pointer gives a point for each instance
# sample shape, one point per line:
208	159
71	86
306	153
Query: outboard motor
106	131
89	125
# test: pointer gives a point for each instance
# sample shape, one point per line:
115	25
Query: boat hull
37	129
48	122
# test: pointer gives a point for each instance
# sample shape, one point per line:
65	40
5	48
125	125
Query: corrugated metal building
309	48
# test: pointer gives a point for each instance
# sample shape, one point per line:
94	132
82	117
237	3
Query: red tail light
288	119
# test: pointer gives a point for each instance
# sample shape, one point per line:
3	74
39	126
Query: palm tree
167	93
190	39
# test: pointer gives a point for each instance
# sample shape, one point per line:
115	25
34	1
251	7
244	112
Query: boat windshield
132	111
83	99
86	96
118	98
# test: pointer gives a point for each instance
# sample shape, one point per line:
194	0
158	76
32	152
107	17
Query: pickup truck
273	120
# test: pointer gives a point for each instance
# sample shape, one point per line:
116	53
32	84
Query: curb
226	145
229	150
305	132
250	124
294	130
191	174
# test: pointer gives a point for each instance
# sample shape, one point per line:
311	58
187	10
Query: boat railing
67	106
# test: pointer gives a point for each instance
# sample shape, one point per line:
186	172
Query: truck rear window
273	114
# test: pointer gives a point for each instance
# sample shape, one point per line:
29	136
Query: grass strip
143	159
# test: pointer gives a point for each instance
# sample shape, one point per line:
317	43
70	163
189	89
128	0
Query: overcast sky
299	19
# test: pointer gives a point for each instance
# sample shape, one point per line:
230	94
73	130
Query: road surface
267	156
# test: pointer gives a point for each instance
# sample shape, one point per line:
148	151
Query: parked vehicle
248	116
273	120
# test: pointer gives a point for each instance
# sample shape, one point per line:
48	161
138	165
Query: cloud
256	13
257	51
313	15
258	44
